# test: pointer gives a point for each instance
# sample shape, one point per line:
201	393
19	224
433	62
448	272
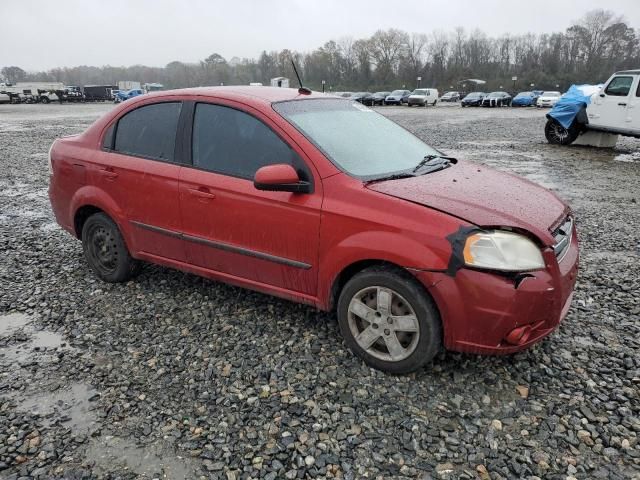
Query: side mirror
602	95
280	178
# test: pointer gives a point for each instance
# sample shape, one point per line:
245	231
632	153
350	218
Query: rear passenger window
619	86
149	131
231	142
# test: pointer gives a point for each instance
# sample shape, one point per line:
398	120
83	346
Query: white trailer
129	85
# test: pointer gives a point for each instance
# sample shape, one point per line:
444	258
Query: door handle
202	193
108	173
622	104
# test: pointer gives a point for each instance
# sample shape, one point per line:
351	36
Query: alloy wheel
383	323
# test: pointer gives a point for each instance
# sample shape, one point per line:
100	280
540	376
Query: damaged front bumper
489	313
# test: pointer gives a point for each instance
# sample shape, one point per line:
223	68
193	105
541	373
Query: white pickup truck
613	109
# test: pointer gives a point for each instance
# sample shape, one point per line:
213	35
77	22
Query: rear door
609	108
262	237
139	168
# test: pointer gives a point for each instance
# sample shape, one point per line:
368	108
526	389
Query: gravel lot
174	376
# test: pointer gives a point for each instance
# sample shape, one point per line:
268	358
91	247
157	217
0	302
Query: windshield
551	94
356	139
398	92
474	94
524	94
419	92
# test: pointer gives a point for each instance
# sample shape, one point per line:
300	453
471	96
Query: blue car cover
570	104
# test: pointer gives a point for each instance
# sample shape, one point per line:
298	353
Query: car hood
482	196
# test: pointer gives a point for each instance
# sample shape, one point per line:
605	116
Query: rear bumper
487	313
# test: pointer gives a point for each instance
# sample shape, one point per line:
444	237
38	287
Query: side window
149	131
619	86
638	90
231	142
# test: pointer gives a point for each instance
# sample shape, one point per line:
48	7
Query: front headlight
500	250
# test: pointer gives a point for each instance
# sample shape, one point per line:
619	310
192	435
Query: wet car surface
216	372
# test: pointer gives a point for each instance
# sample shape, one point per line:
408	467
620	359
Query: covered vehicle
397	97
497	99
524	99
610	108
376	98
548	99
473	99
423	97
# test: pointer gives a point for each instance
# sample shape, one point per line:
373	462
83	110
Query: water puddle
33	345
72	407
11	322
145	462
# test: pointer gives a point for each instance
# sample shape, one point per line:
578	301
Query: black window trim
178	150
187	138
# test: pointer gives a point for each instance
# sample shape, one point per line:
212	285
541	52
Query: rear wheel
558	135
388	320
105	250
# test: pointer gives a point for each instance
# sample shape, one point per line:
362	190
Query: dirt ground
174	376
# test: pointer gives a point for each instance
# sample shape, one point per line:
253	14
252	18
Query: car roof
266	95
630	72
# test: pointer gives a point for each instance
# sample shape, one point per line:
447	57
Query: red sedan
322	201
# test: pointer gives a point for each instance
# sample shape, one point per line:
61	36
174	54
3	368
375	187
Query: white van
423	97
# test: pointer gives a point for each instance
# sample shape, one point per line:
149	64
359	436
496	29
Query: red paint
343	221
276	174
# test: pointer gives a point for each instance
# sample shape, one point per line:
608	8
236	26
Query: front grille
562	236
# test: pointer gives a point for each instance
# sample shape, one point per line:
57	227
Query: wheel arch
349	271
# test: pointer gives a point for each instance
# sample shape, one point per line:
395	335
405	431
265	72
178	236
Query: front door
609	108
265	238
632	121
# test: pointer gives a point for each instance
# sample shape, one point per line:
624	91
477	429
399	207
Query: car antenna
302	90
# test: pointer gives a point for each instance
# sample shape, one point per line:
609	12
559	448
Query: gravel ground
174	376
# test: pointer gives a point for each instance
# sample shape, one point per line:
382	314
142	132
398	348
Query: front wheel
556	134
388	320
105	250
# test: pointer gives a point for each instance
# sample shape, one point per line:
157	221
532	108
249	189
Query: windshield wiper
393	176
434	162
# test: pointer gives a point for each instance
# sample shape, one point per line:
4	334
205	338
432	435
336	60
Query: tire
105	250
434	103
414	341
45	100
556	134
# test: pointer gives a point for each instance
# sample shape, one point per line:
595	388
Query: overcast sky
39	34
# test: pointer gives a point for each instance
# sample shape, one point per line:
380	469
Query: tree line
587	52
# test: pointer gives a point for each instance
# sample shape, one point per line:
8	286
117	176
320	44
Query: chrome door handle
622	104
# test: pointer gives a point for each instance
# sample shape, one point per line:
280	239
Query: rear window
149	131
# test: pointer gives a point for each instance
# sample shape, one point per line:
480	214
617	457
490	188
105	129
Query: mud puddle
150	461
71	407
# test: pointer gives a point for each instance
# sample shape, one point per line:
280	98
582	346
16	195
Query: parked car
376	98
124	95
497	99
359	96
473	99
548	99
524	99
610	108
5	98
415	250
423	97
450	97
397	97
